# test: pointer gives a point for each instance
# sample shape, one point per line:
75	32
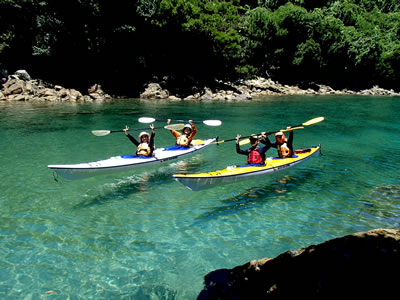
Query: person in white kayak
188	132
145	145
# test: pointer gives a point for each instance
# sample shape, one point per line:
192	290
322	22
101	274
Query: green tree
203	34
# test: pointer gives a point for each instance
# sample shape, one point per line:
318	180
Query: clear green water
142	235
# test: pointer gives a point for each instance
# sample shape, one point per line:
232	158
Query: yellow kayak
234	174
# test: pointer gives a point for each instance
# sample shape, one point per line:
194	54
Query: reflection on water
141	183
383	203
256	196
125	188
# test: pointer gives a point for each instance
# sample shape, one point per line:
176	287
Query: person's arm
264	149
290	141
238	150
265	140
194	131
131	138
151	142
269	143
175	133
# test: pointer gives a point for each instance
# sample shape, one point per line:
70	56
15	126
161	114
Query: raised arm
131	138
238	150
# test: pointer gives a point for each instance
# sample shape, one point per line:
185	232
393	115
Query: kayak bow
234	174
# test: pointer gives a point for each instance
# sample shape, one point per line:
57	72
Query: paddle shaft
245	137
178	121
310	122
136	129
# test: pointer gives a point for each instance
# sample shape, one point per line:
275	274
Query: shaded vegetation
124	44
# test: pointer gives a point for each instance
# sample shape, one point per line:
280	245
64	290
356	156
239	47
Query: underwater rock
361	265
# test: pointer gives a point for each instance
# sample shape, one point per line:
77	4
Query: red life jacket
254	157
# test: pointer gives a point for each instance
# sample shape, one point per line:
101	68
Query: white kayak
127	162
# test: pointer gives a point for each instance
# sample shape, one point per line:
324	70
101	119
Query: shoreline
20	87
256	88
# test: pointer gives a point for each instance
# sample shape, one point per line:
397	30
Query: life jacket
182	140
143	149
254	157
284	150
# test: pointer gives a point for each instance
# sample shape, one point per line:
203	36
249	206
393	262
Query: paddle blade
313	121
101	132
212	122
292	128
244	142
175	126
197	142
146	120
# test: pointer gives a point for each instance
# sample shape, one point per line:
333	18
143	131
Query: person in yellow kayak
255	154
282	144
186	136
145	145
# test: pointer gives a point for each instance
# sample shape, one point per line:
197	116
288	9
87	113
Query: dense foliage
122	44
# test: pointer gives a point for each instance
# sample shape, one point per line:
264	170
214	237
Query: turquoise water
142	235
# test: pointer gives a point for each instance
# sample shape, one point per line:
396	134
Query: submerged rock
362	265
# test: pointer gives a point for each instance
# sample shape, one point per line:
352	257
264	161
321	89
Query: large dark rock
362	266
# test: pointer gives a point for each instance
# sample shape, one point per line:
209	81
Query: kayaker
187	135
282	144
255	154
145	145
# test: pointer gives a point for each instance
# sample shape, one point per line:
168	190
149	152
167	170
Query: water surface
142	235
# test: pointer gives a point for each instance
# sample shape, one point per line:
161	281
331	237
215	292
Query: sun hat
144	133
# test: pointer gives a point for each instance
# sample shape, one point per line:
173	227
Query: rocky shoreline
20	87
256	88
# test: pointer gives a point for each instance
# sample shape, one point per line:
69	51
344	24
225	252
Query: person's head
187	129
144	137
280	137
253	139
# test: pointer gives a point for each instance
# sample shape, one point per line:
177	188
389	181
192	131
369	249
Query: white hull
122	163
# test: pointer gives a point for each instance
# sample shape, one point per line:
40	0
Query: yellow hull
234	174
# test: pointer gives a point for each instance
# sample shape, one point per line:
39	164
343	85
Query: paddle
246	140
206	122
299	126
107	132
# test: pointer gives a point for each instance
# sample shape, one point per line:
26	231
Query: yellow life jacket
284	150
143	149
182	140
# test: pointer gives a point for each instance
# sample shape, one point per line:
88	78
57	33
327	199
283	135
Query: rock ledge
362	265
20	87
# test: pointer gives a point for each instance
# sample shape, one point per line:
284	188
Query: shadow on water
126	187
143	293
256	196
143	182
